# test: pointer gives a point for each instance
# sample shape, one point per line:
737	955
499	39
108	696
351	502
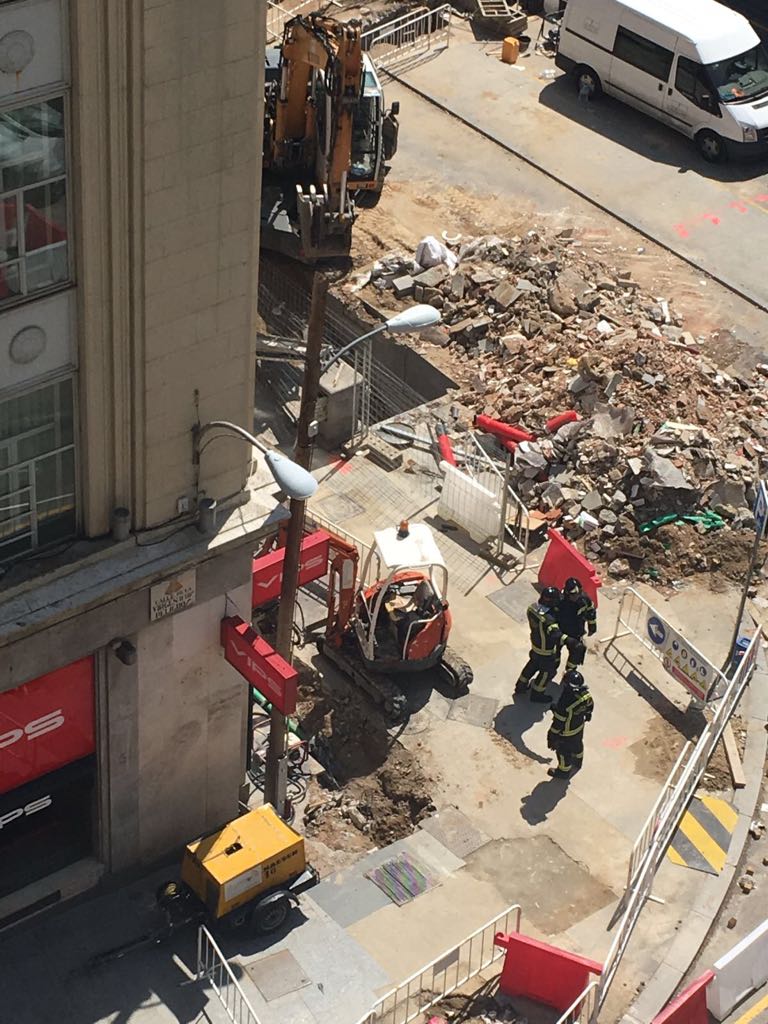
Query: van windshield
741	78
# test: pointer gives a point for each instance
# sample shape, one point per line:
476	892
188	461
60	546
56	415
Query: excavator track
378	686
455	672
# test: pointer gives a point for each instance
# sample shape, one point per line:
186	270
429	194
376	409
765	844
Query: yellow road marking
675	857
703	842
751	1015
724	813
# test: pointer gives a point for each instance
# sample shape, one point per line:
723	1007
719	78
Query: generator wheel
455	671
271	916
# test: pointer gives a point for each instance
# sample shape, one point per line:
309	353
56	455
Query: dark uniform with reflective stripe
544	656
577	616
566	734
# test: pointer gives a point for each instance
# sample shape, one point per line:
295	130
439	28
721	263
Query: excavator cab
402	621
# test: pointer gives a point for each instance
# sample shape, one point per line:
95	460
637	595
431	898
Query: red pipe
553	425
504	431
445	445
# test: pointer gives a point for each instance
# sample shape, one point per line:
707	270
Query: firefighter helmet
550	597
572	586
573	679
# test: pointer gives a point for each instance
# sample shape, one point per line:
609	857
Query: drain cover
402	878
277	975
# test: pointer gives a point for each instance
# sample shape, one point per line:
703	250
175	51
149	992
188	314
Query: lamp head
290	477
417	318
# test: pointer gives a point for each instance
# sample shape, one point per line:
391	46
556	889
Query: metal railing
689	774
582	1008
365	565
659	809
635	615
444	974
277	17
513	520
409	35
212	966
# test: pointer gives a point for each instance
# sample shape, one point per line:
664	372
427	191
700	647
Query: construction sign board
679	657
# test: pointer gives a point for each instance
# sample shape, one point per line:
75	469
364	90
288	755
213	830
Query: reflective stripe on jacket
546	636
571	712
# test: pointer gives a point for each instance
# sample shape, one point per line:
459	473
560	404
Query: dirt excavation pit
373	791
657	751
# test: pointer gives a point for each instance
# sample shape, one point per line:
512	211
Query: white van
693	64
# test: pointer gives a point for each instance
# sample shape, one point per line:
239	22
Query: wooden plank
734	761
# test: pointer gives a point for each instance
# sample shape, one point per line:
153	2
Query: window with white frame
33	199
37	469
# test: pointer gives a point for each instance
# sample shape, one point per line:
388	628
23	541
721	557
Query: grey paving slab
515	598
473	709
277	974
347	896
338	507
455	831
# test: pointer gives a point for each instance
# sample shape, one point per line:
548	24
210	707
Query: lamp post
416	318
298	484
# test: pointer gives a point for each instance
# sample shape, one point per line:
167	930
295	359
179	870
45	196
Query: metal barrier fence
410	35
277	17
378	393
319	522
513	518
689	776
688	665
659	809
444	974
582	1008
212	966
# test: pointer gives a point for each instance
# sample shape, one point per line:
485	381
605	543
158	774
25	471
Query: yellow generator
248	873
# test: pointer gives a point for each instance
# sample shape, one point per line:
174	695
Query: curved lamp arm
290	477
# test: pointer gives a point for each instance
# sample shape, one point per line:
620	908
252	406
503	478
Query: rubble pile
662	447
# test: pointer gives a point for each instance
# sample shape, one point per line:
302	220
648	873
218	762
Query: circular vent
27	344
16	51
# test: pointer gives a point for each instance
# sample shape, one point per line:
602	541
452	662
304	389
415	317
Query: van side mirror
395	108
706	102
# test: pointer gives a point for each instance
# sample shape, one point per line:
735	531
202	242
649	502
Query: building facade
130	160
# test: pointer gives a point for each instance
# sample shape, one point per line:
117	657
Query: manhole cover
514	599
338	507
473	709
277	975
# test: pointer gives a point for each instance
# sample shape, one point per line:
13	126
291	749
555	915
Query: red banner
46	723
259	664
267	571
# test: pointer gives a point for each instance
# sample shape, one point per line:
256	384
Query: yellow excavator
326	135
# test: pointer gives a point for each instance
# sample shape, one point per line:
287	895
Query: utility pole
277	768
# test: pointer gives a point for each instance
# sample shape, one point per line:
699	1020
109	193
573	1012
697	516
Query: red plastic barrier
563	560
504	431
690	1007
445	446
553	425
545	973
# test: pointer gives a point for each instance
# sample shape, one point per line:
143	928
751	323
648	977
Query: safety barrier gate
212	966
583	1007
678	656
409	36
443	975
687	775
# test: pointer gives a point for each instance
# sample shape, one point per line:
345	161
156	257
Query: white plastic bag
431	253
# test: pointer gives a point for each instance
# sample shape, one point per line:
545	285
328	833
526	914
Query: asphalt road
636	168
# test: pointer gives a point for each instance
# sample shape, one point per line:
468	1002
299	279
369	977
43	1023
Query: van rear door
643	54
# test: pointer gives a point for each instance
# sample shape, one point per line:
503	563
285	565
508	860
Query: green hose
293	725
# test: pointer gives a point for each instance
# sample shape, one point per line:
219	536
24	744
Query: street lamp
417	318
295	481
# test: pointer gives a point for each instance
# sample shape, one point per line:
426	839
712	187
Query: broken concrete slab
403	286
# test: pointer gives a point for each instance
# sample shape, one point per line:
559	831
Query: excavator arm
310	104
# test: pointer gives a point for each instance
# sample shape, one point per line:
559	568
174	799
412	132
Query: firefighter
576	615
546	639
566	734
